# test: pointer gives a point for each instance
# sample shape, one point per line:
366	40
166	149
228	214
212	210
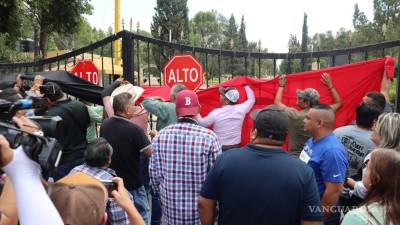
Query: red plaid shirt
183	153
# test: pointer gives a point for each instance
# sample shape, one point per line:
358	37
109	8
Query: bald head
319	120
325	114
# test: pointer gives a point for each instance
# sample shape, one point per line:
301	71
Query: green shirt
96	116
297	135
165	112
360	216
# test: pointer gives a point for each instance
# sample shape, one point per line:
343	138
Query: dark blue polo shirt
256	185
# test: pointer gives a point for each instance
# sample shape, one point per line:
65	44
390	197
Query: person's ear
253	134
320	123
103	220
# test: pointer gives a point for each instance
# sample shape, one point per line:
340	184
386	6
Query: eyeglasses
365	164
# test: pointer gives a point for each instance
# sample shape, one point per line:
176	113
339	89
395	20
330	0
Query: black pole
219	67
398	85
127	57
148	62
138	60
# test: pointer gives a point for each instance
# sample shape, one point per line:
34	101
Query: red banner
351	81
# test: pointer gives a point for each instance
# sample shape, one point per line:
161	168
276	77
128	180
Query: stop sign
183	69
86	70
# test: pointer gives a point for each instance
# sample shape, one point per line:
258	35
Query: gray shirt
358	144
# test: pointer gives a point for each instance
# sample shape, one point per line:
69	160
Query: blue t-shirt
255	185
328	158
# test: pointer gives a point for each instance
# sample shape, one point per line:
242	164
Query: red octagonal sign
86	70
183	69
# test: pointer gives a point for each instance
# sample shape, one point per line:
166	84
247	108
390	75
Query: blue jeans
156	211
64	169
141	203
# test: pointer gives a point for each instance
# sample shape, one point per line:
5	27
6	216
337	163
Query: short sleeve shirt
358	144
75	121
127	140
328	158
256	185
298	136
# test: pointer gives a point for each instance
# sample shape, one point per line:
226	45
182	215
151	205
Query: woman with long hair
381	176
386	132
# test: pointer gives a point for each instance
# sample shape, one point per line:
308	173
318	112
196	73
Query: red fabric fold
352	82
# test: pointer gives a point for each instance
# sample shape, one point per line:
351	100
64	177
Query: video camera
45	150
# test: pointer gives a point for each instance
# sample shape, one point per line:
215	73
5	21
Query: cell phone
110	186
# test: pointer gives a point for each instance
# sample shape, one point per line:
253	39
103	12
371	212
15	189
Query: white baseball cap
231	93
135	91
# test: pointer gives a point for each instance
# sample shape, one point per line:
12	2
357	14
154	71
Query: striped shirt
183	153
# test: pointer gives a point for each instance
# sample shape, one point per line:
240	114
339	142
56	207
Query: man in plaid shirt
183	153
97	159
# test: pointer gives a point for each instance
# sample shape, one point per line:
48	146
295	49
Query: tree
386	13
231	34
359	18
61	16
170	16
205	26
84	35
293	47
304	37
242	45
304	41
10	21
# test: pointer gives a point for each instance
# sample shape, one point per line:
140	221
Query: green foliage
295	66
304	37
393	91
230	34
205	29
61	16
170	16
242	40
9	20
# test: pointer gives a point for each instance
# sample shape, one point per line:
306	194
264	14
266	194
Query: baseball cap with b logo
187	103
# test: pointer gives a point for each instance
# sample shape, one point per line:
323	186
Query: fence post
127	54
397	106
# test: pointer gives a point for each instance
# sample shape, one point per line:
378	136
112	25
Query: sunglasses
365	164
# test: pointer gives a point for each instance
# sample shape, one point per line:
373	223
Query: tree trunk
43	42
36	52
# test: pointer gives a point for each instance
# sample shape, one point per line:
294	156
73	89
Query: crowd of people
114	169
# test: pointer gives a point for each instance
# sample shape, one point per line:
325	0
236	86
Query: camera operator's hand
26	124
6	153
121	197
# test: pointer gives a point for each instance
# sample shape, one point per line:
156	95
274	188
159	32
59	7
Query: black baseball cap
272	121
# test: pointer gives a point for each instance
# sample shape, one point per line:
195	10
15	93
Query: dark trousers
156	211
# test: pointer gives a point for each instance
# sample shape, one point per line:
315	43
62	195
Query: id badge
304	157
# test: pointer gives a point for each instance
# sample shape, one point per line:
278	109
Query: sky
268	21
